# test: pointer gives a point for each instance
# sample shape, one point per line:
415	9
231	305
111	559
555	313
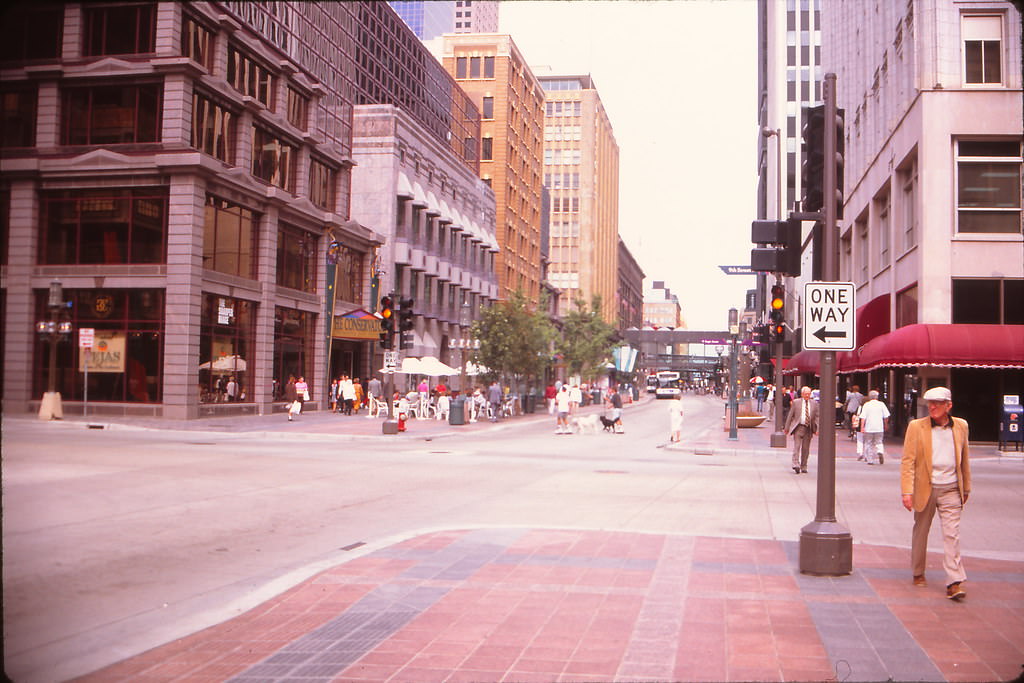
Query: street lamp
734	330
778	437
53	330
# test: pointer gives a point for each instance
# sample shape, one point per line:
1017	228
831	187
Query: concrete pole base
778	440
51	408
389	427
826	549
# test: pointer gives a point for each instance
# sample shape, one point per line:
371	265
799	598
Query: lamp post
53	331
778	437
734	373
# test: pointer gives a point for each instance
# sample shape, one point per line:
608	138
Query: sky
678	79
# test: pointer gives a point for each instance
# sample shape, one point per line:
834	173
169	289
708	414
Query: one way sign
829	323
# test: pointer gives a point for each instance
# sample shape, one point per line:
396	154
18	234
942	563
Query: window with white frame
861	235
909	200
982	53
989	186
884	208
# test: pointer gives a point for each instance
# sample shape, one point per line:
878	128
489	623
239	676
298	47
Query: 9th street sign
829	323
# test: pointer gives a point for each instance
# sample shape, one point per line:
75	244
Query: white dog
586	423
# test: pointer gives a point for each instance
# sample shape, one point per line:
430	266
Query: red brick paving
556	607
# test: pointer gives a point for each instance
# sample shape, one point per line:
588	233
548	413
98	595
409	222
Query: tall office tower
431	18
581	173
492	71
789	80
931	231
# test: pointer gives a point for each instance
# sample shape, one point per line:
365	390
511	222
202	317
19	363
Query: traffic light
405	324
387	322
813	172
840	161
782	253
777	314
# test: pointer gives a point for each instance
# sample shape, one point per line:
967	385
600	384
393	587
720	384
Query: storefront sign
107	352
358	324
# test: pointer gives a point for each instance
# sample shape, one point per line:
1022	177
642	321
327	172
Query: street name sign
737	270
829	323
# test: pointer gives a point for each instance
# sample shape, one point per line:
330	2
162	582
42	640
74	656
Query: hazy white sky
679	81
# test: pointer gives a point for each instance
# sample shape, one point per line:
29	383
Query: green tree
515	341
587	339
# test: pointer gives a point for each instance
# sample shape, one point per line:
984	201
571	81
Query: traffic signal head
783	253
777	313
387	322
405	323
840	161
405	314
813	171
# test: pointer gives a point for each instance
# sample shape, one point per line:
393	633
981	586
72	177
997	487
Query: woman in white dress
675	415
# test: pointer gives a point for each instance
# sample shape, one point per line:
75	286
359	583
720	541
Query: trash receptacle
457	413
595	396
529	404
1011	424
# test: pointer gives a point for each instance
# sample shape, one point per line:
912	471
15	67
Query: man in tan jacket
935	474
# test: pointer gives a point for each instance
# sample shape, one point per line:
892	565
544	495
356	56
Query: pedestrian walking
335	393
675	419
802	424
787	403
231	389
562	405
494	397
375	389
292	397
348	394
935	474
615	414
550	393
301	392
575	398
874	421
360	396
854	400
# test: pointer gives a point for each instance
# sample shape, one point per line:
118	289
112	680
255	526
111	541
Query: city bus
669	384
652	384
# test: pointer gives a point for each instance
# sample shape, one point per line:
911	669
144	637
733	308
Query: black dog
609	425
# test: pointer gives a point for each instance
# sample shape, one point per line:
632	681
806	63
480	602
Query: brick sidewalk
567	605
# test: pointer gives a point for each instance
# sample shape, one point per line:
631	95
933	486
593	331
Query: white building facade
438	221
931	229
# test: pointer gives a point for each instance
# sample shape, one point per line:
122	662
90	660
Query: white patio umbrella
432	367
231	363
472	369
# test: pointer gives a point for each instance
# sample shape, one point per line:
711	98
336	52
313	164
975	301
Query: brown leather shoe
919	580
955	592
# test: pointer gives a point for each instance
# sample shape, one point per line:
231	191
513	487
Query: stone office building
184	171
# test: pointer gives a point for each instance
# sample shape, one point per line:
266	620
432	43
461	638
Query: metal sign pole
826	547
85	391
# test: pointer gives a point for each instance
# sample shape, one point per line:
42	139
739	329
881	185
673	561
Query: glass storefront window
293	348
104	226
226	333
126	363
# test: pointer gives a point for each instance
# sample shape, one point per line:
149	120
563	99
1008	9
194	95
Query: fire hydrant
401	421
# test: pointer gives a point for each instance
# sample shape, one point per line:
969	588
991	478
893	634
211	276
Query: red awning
873	319
948	346
804	363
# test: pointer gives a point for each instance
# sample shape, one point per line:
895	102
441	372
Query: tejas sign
829	323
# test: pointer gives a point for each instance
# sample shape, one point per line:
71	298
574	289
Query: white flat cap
938	394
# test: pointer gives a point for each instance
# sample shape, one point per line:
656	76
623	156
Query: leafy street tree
586	339
514	340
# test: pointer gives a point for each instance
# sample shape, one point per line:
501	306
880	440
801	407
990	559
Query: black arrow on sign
822	335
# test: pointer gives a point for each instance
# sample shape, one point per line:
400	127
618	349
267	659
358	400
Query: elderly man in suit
935	474
802	424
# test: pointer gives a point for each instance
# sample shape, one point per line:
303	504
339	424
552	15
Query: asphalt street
119	540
